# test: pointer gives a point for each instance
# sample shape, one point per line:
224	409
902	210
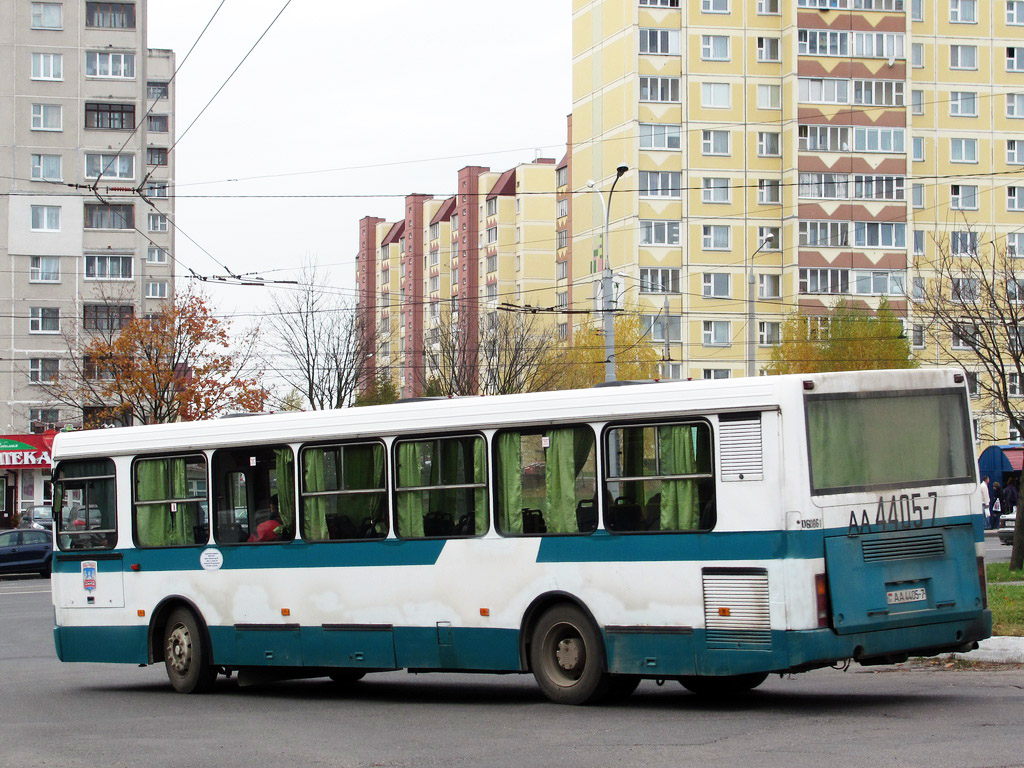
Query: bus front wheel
185	656
723	685
567	657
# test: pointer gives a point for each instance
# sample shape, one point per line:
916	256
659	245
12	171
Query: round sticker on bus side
211	559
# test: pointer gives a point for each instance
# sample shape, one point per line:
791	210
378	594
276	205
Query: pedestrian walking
985	501
1010	498
996	505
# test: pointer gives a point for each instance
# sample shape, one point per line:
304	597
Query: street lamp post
751	331
606	280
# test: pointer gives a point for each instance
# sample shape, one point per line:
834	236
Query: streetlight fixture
606	279
749	266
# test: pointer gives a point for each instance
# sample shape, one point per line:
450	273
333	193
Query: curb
997	650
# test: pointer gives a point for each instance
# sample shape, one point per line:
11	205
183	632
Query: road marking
26	592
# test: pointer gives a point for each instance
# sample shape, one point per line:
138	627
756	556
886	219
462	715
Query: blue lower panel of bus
116	645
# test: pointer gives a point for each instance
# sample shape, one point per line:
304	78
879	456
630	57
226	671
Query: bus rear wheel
185	656
723	685
567	657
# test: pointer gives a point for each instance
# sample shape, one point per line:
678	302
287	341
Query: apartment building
785	154
433	284
87	171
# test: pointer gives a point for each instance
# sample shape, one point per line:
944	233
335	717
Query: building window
715	95
917	195
963	104
156	255
963	56
659	232
768	7
44	269
917	102
561	179
963	150
768	49
156	222
47	66
827	281
878	187
887	140
716	285
716	333
1015	198
823	42
769	286
917	10
47	117
47	16
965	290
873	234
45	218
716	373
917	55
1015	105
715	190
715	237
109	117
109	216
661	328
110	166
156	189
715	142
561	270
917	149
1015	244
659	89
822	90
43	370
824	186
878	93
769	191
1013	384
157	89
157	124
769	334
660	136
963	197
963	11
1015	11
714	6
157	289
963	243
562	208
769	144
919	242
107	64
769	97
43	420
660	3
561	238
106	317
770	238
110	15
659	280
917	336
714	47
156	156
44	320
824	234
105	267
660	183
46	167
659	41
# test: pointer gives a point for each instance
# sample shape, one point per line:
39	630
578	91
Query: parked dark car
39	517
24	550
1006	528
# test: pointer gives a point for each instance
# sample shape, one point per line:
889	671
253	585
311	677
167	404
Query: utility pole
606	280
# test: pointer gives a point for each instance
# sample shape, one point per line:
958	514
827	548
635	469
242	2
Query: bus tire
185	654
723	685
567	657
346	676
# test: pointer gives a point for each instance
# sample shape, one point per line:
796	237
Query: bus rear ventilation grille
904	548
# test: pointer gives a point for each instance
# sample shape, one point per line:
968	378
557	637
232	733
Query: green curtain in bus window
151	520
566	455
679	502
284	462
314	508
480	476
409	518
183	518
364	470
509	477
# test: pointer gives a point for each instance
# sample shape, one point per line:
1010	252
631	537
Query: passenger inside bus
268	530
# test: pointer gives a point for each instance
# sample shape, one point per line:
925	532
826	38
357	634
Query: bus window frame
207	458
395	489
534	429
662	422
386	490
212	486
58	515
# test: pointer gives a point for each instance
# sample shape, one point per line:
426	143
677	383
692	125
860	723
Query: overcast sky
347	98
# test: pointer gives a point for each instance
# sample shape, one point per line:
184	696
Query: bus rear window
85	511
878	440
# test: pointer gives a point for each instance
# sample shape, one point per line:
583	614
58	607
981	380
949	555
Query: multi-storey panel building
87	168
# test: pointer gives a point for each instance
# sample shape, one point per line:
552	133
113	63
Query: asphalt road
86	715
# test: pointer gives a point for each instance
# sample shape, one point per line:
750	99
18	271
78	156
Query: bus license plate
900	596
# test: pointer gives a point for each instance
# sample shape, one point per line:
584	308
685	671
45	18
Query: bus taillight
981	582
821	592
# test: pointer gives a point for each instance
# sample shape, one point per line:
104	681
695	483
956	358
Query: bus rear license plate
900	596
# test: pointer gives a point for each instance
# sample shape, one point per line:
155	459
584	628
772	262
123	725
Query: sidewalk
999	650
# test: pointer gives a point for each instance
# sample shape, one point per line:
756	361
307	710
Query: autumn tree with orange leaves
177	365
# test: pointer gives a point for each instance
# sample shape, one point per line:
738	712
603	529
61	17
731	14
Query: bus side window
171	507
545	481
343	492
659	478
254	494
84	500
441	487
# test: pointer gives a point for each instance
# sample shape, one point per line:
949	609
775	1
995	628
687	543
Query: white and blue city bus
707	532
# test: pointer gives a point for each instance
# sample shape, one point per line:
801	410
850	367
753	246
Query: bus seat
466	526
652	513
340	527
533	521
438	524
627	517
586	515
